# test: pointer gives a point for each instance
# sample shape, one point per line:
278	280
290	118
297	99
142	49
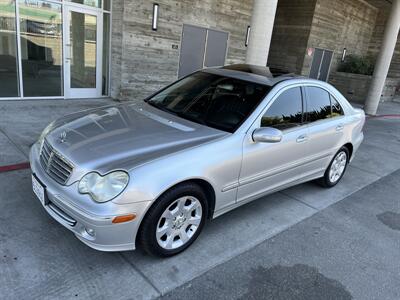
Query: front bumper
62	206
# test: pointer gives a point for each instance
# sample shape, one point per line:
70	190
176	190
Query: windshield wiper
179	114
163	108
191	118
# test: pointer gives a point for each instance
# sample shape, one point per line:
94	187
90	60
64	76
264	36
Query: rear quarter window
337	109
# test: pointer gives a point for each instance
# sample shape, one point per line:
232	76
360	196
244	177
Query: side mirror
267	135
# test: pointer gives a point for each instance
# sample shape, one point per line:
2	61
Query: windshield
213	100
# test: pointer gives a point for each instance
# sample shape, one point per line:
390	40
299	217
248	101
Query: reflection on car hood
124	136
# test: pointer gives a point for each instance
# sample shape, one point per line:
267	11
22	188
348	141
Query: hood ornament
63	137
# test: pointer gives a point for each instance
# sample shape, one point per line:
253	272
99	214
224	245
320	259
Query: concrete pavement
23	120
38	257
350	250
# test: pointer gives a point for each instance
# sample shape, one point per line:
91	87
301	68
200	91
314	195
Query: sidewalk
40	258
22	121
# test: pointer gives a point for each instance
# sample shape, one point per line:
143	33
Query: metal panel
325	65
316	63
192	49
216	48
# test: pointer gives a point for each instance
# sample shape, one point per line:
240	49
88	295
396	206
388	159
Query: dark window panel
213	100
8	50
41	48
286	111
318	104
337	109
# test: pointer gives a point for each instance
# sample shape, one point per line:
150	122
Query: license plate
38	189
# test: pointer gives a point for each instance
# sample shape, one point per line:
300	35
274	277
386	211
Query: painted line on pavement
15	167
394	116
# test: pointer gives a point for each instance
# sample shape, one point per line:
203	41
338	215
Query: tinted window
318	104
337	110
286	111
213	100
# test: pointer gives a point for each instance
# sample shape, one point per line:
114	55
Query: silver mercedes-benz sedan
151	173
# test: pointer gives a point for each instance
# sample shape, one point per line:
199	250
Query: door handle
302	138
340	127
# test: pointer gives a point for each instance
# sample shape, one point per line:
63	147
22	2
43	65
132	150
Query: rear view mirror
267	135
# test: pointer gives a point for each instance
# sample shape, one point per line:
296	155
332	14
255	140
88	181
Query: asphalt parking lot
301	243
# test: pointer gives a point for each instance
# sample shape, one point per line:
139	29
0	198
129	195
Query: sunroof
258	70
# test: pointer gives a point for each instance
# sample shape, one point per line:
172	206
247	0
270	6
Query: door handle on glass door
302	138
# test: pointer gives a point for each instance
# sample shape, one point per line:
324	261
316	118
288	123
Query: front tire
336	169
174	221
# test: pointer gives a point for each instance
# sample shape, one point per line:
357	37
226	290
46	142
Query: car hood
124	136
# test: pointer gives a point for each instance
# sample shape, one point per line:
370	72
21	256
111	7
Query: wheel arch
204	184
349	147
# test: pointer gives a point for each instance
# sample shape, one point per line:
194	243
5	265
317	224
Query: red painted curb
21	166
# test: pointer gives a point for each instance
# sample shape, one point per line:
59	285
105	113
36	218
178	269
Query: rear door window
318	104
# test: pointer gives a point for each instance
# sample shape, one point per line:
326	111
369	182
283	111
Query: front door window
286	111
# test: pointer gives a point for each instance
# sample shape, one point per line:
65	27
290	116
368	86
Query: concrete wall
332	24
339	24
393	79
355	86
291	33
327	24
116	47
144	60
376	42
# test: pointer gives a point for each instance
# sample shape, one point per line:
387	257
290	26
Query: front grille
54	164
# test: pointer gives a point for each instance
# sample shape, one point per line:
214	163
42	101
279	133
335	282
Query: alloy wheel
338	166
179	222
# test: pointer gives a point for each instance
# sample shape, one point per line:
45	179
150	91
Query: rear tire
336	168
174	221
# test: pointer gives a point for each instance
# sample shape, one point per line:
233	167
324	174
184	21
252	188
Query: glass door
82	52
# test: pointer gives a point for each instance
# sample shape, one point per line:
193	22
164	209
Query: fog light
90	231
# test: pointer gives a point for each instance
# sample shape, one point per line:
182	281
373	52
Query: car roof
259	74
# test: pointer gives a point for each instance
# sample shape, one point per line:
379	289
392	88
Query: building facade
310	38
54	49
127	49
94	48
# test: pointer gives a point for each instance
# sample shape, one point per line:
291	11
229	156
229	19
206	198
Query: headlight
103	188
44	133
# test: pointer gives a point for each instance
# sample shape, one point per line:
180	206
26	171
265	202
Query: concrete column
262	23
384	59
